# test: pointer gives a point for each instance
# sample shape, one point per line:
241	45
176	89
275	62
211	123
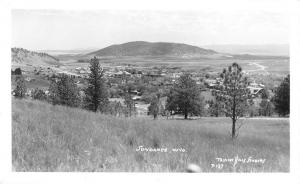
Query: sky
81	29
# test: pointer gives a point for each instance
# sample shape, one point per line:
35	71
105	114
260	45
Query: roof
254	90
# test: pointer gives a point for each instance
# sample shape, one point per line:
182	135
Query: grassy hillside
56	138
23	56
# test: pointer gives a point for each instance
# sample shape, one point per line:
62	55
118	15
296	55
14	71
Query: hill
58	138
154	49
20	56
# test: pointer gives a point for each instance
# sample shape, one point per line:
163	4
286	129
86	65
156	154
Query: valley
161	68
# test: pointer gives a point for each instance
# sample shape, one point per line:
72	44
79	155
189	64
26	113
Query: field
57	138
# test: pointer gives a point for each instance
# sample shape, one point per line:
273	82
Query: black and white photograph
153	90
150	91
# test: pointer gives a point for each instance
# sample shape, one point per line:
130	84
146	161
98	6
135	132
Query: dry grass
56	138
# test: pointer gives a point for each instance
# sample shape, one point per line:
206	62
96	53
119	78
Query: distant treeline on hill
25	51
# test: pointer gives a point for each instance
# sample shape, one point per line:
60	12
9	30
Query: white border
7	176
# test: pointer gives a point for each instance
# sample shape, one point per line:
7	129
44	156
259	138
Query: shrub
17	71
115	108
39	94
266	108
215	108
20	89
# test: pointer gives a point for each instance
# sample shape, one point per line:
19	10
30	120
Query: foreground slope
56	138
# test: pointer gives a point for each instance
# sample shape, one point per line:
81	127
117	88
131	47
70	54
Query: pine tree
184	97
53	92
130	105
282	97
96	94
233	94
155	108
63	91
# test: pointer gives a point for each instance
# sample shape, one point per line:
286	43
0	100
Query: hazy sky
57	29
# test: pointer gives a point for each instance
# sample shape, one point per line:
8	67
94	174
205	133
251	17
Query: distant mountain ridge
24	56
142	48
263	49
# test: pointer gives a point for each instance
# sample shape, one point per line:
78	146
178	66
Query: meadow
58	138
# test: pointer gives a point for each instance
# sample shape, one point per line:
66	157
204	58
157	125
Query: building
122	73
256	89
210	82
